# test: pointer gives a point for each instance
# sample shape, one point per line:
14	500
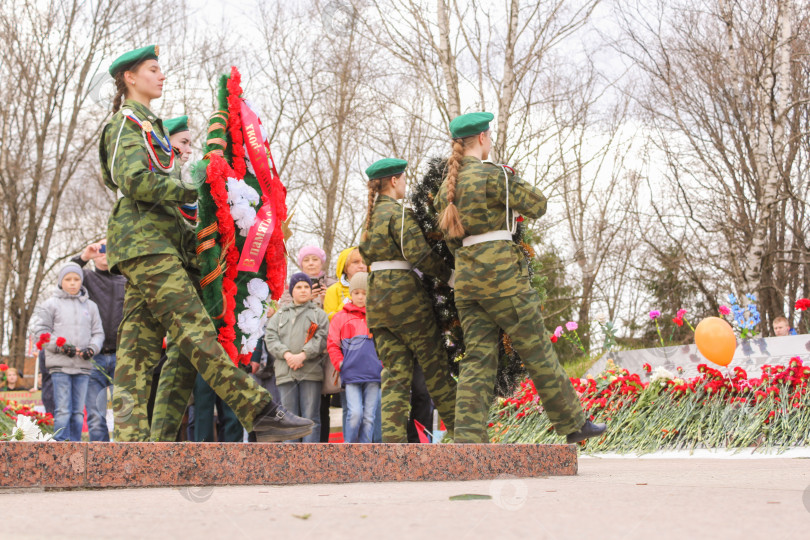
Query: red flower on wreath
802	304
60	341
553	338
217	173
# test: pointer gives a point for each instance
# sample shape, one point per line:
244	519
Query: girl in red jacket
351	350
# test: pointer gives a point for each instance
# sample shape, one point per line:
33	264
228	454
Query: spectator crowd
317	354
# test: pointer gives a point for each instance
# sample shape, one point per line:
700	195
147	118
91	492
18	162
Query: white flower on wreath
249	323
249	343
242	198
258	288
254	305
252	319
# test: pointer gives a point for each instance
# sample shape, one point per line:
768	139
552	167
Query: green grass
577	367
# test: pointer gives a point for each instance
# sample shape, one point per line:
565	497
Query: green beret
127	60
386	167
176	125
470	124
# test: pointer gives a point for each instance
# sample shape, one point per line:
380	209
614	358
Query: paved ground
609	499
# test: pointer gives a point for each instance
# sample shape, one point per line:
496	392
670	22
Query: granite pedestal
119	465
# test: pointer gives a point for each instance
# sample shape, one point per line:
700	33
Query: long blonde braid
450	220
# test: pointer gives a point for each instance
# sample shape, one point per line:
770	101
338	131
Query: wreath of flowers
235	203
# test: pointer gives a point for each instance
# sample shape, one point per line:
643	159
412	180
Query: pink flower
558	331
571	326
724	310
654	314
681	313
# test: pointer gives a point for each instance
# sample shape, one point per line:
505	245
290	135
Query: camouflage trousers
519	316
160	300
171	399
398	349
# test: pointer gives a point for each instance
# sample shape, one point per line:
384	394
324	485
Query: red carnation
3	367
60	341
553	338
678	321
44	338
802	304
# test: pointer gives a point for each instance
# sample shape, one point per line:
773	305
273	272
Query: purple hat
299	276
311	250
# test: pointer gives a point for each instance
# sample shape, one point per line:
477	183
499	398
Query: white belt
486	237
390	265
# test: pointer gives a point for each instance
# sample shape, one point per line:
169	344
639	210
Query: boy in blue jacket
351	351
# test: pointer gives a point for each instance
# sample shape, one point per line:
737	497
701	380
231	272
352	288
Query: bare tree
597	191
50	127
725	94
477	48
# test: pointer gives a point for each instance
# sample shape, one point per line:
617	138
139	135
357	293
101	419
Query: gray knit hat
358	281
70	267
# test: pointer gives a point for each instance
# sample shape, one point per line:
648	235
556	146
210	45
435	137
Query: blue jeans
377	438
362	402
97	397
69	394
303	398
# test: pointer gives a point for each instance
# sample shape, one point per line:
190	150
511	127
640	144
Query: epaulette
507	167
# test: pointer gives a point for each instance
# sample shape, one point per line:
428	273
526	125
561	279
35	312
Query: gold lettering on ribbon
253	140
262	229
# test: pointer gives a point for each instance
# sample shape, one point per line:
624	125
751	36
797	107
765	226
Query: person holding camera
107	291
311	261
69	327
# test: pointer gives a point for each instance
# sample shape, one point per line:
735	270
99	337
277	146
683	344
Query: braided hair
121	91
374	188
449	220
373	191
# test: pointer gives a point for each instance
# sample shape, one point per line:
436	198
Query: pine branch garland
510	367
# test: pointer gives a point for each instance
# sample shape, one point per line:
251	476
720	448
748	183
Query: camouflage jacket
498	268
397	297
146	220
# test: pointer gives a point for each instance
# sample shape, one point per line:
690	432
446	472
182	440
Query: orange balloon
715	340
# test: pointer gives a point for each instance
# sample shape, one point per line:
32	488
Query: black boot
588	430
275	424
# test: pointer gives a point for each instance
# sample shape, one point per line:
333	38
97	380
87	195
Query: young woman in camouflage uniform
398	310
145	237
478	204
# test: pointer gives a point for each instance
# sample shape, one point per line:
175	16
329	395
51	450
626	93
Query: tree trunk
448	60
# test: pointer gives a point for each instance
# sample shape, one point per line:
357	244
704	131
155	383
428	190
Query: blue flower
732	299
